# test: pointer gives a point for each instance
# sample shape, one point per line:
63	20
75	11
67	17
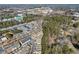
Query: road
12	26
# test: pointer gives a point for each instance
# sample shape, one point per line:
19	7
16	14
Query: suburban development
39	29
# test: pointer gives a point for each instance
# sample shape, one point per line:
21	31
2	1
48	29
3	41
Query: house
25	40
20	15
2	38
76	14
12	47
18	18
1	50
59	12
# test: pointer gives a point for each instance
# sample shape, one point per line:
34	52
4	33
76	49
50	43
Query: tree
52	26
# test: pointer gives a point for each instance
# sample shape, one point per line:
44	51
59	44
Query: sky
38	5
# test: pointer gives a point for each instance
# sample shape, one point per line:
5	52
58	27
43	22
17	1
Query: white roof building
42	10
76	14
3	38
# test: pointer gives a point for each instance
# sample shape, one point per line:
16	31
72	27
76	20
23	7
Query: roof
26	39
18	18
76	14
3	38
1	50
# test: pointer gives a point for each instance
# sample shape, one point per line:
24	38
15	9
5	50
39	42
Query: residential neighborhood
39	29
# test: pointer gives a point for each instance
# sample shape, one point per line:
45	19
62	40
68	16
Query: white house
3	39
76	14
